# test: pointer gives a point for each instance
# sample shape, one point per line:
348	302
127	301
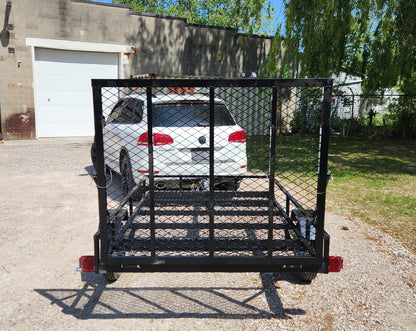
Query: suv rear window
190	114
127	111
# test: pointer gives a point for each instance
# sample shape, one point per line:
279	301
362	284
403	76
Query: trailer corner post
323	168
211	170
101	179
149	96
272	166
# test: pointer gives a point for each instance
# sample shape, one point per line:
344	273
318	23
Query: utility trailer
211	195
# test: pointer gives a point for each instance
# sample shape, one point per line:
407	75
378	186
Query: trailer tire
112	276
307	276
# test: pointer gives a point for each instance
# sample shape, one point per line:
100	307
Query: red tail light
336	263
237	137
147	171
87	263
159	139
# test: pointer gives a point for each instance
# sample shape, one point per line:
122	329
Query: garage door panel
52	99
62	82
49	128
64	104
63	113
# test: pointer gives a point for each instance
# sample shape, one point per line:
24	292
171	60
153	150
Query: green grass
296	154
375	180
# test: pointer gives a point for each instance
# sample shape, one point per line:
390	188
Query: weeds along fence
389	115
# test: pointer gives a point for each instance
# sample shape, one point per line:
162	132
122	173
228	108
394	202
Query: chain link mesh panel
189	173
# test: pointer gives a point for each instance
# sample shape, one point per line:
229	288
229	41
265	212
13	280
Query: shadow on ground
100	300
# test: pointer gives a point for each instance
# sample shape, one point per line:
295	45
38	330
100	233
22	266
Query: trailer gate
269	217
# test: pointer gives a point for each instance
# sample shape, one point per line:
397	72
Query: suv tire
94	155
127	180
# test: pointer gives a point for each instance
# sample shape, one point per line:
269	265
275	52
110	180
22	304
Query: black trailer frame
295	251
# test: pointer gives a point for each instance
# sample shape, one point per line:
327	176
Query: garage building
51	49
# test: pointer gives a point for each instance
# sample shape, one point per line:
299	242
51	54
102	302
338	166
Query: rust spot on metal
128	55
21	125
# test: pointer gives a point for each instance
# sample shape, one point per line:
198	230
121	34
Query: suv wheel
127	180
231	186
94	155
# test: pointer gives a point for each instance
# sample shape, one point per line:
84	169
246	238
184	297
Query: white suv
180	142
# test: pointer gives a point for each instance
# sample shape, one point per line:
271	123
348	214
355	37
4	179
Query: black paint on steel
151	173
97	251
213	82
259	260
224	245
212	256
196	266
272	162
207	176
250	263
325	265
287	205
323	169
211	171
101	179
200	226
288	195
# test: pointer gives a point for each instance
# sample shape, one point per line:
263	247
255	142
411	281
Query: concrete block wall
162	45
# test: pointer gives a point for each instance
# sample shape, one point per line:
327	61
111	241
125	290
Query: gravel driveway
48	215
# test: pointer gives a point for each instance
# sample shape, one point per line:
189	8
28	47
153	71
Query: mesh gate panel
189	172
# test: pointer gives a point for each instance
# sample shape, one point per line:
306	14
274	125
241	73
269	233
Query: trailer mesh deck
182	227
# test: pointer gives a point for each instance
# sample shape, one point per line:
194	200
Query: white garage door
64	106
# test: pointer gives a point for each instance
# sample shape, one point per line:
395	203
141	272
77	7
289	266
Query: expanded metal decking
240	227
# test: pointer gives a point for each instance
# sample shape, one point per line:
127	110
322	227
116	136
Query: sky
277	4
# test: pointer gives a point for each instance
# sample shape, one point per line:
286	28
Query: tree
246	16
373	39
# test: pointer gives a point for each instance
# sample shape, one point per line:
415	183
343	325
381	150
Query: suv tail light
237	137
159	139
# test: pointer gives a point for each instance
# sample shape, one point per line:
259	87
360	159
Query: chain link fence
388	115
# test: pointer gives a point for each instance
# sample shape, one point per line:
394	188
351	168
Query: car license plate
200	155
